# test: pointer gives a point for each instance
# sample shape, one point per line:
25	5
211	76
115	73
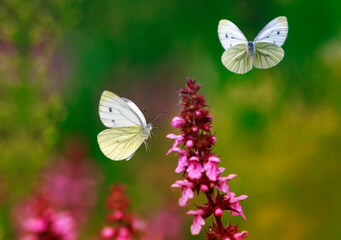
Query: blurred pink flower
71	182
166	224
198	221
37	219
187	192
121	224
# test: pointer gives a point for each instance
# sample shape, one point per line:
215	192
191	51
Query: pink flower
212	171
178	139
182	163
176	149
36	217
178	122
71	180
222	184
235	205
187	192
194	170
198	221
222	181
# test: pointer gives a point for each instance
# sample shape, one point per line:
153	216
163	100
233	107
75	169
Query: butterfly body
251	48
145	131
127	127
264	52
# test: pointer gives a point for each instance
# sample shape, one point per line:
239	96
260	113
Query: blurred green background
279	129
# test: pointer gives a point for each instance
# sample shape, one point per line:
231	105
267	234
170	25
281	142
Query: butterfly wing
236	59
229	34
136	110
119	112
274	32
267	55
120	143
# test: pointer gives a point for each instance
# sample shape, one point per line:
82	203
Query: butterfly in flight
128	128
264	52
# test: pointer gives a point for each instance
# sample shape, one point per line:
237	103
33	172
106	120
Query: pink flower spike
198	221
178	122
195	170
199	166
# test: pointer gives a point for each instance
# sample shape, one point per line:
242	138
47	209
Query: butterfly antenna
160	115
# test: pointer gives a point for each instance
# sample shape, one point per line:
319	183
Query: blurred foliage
278	129
30	106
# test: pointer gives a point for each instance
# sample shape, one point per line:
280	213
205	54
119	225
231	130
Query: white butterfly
264	52
128	127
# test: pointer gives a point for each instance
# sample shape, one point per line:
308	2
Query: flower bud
218	212
178	122
204	188
189	143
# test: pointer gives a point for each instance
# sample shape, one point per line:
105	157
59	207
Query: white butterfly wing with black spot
119	112
274	32
229	34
